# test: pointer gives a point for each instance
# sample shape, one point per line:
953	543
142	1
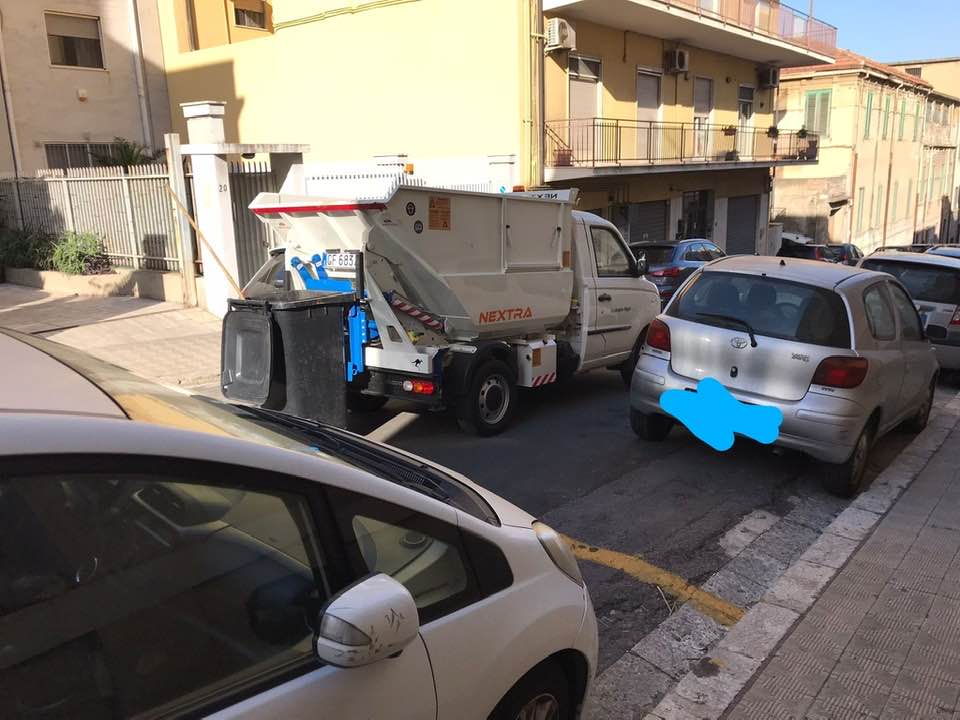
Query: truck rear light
955	320
841	372
419	387
658	335
666	272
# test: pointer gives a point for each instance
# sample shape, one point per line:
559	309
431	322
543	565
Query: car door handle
603	297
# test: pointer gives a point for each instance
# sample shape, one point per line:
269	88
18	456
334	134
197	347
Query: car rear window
655	254
772	307
922	281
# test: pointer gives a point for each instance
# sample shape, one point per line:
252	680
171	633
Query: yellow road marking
709	604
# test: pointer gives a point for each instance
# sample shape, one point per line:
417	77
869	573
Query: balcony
598	147
935	135
764	31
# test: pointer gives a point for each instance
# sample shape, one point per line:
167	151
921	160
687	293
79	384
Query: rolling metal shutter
643	222
742	216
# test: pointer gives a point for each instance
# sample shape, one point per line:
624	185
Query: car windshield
923	281
655	254
772	307
148	402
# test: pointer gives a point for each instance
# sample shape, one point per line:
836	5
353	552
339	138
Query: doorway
697	218
702	110
583	110
648	116
745	136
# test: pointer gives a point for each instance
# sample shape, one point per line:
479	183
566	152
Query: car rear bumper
823	426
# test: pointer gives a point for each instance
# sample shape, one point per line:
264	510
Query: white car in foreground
163	555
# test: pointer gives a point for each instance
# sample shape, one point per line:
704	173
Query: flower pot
563	157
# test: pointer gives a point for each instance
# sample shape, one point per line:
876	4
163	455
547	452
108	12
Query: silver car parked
840	350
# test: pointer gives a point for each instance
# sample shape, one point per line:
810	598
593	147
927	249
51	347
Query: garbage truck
447	297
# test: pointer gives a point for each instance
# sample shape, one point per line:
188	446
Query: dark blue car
672	263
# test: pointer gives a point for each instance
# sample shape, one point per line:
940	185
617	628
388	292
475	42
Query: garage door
642	222
742	216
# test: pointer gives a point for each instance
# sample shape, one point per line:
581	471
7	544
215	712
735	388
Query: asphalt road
571	459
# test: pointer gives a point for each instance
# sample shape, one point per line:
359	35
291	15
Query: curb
706	692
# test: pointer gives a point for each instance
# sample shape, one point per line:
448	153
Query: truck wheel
650	427
488	406
360	403
630	364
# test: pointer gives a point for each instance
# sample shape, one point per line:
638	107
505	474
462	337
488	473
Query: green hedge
71	253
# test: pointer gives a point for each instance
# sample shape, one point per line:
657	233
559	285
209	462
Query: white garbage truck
446	297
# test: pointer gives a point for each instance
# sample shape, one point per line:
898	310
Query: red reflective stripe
342	207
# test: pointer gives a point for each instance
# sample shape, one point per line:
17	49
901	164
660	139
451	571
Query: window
712	252
893	206
74	41
903	119
861	200
886	117
878	208
879	313
80	155
869	116
694	252
254	15
924	281
612	258
818	112
915	71
916	120
773	307
910	324
168	593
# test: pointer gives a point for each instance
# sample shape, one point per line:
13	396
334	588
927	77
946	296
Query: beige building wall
425	78
56	104
863	189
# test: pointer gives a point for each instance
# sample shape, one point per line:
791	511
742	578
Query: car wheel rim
542	707
494	398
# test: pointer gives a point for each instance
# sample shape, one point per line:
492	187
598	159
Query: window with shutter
74	41
869	117
886	117
903	119
817	115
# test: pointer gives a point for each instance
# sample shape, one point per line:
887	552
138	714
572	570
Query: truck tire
650	427
490	401
630	364
360	403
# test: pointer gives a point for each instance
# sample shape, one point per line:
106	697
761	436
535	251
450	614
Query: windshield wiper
737	321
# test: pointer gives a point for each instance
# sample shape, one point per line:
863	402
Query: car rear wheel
919	421
846	479
650	427
541	694
490	401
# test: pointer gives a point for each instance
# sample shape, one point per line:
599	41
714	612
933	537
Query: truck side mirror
641	268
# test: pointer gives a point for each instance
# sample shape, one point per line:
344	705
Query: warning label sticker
439	213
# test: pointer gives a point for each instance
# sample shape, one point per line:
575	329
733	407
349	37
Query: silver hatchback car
839	350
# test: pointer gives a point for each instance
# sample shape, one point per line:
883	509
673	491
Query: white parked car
163	555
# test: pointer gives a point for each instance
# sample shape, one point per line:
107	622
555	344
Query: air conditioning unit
677	61
769	77
560	35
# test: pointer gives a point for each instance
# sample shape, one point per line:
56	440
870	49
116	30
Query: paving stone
756	565
799	586
716	683
866	671
629	685
679	640
900	707
854	523
734	588
758	705
830	550
785	541
794	672
759	631
928	690
868	699
936	662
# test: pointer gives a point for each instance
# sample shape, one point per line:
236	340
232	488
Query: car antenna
782	263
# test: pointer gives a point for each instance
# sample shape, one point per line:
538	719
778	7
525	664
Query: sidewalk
883	640
162	341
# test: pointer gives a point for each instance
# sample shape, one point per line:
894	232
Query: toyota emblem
739	343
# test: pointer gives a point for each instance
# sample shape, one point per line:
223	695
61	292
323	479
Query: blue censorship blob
714	415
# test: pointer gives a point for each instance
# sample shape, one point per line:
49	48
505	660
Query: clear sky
889	30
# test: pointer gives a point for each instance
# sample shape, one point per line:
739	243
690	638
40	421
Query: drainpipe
136	43
541	116
11	126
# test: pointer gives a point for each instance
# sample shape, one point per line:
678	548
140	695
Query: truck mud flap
246	353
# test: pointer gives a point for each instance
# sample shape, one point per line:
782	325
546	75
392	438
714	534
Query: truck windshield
769	306
145	401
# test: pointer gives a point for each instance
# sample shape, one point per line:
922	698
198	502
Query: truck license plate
340	261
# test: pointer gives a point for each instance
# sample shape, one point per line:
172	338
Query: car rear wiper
730	318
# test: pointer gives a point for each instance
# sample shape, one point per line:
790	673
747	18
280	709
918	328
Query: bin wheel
360	403
491	399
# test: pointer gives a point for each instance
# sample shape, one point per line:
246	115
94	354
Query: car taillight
666	272
955	320
841	372
420	387
658	335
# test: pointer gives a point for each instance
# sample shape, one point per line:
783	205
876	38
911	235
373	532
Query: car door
618	292
886	355
174	588
916	349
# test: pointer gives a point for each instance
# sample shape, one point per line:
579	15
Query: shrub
80	254
26	249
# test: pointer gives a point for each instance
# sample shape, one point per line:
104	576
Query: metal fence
605	141
254	238
129	209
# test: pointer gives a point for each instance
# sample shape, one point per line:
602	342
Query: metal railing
596	142
770	18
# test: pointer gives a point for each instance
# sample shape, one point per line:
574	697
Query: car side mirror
369	621
641	268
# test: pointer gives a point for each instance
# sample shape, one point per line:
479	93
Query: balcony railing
770	18
940	135
599	142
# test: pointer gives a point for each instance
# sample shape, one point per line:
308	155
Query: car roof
810	272
35	382
925	258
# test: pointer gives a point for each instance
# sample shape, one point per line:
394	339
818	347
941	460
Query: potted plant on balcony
773	132
563	157
730	130
731	155
802	133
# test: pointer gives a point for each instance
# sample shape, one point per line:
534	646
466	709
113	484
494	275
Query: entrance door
697	215
742	215
648	114
702	109
642	222
584	99
745	136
